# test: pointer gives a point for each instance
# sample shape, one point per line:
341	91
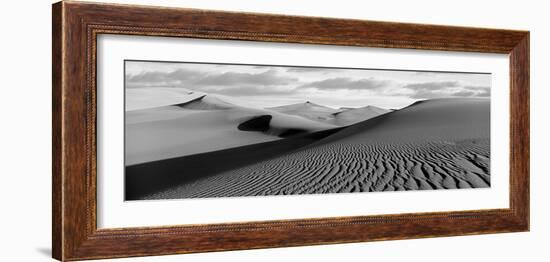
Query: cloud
481	91
464	93
199	80
427	94
434	86
273	81
308	70
339	83
425	73
428	90
152	79
269	82
267	78
250	90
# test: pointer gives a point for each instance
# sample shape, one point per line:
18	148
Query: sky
270	85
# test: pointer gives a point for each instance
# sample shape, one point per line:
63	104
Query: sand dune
142	98
203	124
432	144
341	117
349	116
147	178
205	102
437	119
308	110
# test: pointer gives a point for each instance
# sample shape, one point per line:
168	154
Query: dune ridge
307	110
349	116
343	116
205	123
205	102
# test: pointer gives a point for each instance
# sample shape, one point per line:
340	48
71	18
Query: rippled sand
435	144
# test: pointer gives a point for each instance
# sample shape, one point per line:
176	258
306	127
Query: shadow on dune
259	124
435	144
151	177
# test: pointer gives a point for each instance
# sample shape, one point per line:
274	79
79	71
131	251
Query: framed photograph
182	130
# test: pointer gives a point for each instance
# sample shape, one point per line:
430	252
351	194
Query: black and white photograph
207	130
275	130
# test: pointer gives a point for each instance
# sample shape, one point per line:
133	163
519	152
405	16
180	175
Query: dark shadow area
190	102
260	124
147	178
292	132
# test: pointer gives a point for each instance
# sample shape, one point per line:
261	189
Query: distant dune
308	110
349	116
201	123
142	98
432	144
436	119
205	102
339	117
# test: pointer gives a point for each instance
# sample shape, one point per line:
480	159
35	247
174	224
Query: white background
113	212
25	147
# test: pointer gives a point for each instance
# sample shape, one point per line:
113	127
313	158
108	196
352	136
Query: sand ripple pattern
348	167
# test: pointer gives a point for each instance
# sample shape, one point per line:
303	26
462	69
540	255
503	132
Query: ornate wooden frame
76	26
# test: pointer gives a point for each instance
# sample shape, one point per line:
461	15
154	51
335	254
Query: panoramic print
206	130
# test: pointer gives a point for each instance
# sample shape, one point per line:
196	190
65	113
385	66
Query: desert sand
349	116
433	144
308	110
338	117
198	123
